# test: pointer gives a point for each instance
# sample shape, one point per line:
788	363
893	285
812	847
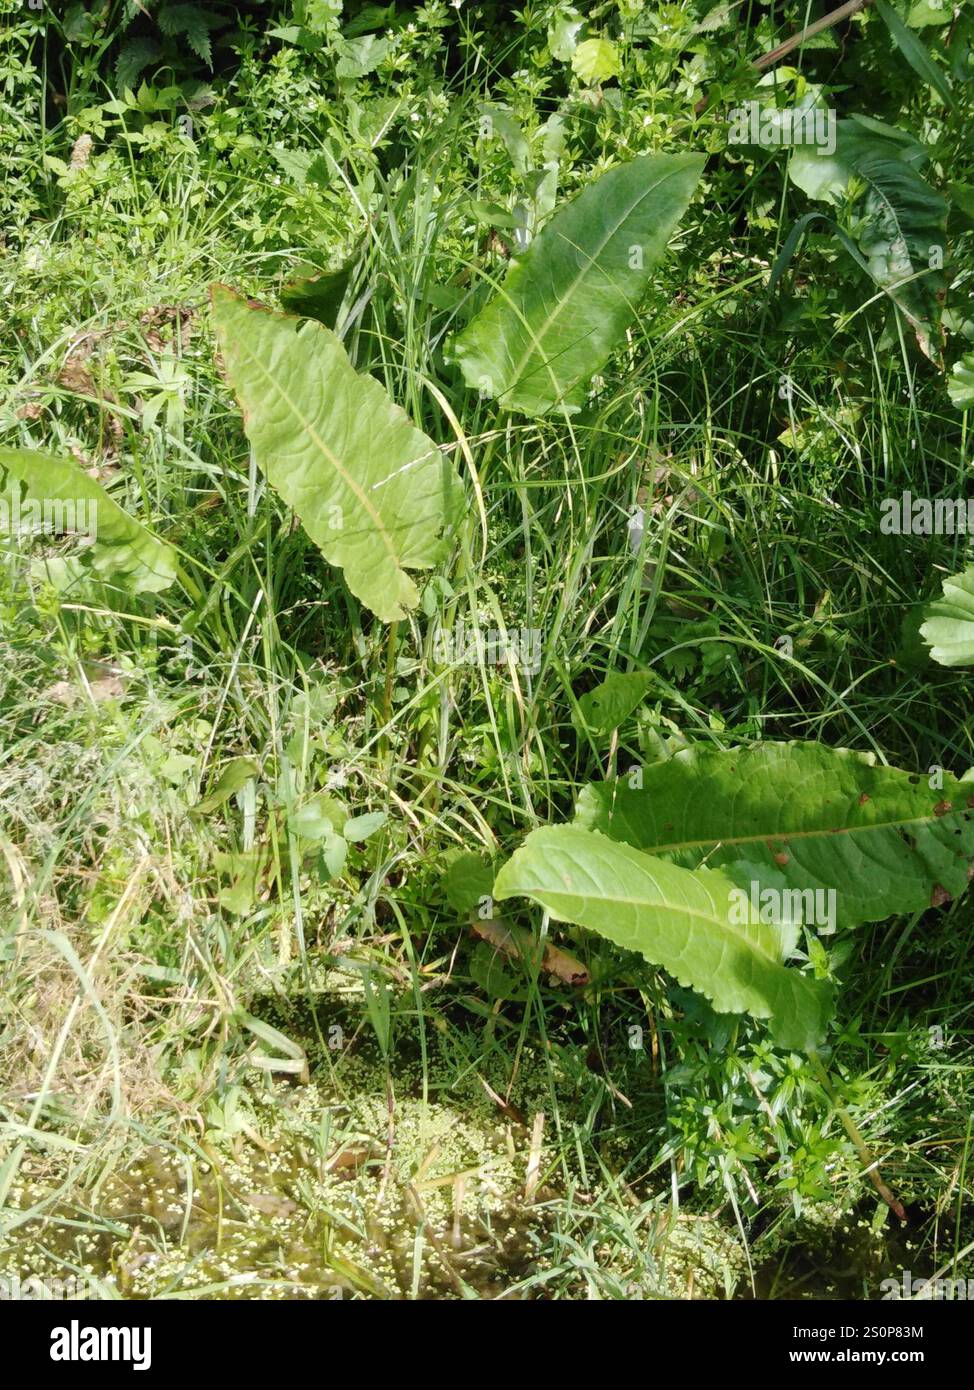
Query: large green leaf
949	626
820	818
900	228
826	177
681	920
569	299
903	239
124	550
371	490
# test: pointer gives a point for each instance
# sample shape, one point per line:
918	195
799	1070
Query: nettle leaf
685	921
900	232
194	24
360	56
371	17
812	817
372	491
567	302
949	626
134	56
295	163
40	492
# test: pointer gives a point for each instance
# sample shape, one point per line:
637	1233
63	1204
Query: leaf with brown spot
869	832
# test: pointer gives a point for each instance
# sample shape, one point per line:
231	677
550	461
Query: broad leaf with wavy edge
949	626
814	816
372	491
567	302
676	918
124	550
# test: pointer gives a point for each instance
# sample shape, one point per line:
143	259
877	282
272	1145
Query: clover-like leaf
949	626
960	384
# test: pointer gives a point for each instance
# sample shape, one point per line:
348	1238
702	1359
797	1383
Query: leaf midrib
786	835
719	924
328	453
536	339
